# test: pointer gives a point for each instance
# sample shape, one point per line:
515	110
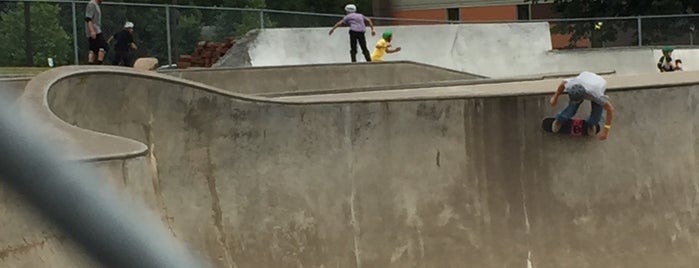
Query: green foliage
238	23
654	31
619	8
53	25
188	31
325	6
48	38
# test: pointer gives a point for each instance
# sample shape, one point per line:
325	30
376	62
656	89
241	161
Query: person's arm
132	42
608	124
338	24
90	11
388	50
371	24
559	91
91	28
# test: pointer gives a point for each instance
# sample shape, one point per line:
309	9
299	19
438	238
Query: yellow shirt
379	50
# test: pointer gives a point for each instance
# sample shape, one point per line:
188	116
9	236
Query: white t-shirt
594	85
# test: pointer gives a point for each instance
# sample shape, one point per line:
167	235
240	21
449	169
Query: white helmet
351	8
128	24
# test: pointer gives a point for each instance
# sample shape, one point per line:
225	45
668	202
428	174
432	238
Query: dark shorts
97	43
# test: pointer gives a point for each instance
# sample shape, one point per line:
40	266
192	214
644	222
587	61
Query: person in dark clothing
124	42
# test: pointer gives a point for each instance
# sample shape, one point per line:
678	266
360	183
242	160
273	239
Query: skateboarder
586	86
356	32
665	64
124	42
383	46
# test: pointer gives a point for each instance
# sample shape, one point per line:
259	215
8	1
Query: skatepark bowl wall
12	88
494	50
432	177
328	77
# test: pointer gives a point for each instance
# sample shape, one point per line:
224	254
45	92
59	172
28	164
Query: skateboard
575	127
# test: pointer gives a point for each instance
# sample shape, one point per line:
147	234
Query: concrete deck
495	50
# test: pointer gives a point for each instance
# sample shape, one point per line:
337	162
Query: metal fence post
691	35
640	31
75	34
262	19
169	35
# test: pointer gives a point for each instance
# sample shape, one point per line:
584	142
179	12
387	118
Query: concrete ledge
79	144
301	78
429	84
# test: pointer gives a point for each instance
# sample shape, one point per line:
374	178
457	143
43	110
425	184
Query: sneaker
556	126
591	131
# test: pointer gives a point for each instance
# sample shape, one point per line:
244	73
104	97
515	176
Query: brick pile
205	54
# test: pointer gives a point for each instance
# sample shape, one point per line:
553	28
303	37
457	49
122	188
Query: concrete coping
88	145
430	84
502	89
15	78
321	65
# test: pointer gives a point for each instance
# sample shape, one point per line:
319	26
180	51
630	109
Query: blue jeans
566	114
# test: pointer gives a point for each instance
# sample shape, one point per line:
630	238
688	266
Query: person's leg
102	44
117	58
353	46
129	59
594	118
92	50
565	115
365	50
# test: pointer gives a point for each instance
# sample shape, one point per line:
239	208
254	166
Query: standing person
93	30
124	42
383	46
356	22
586	86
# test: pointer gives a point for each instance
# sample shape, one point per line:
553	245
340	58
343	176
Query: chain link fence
57	29
678	30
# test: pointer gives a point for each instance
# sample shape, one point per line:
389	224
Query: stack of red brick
205	54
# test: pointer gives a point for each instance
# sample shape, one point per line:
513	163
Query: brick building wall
478	11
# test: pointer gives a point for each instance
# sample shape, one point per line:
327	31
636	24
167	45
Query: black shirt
123	40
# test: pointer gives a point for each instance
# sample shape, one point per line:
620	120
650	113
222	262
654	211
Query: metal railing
166	31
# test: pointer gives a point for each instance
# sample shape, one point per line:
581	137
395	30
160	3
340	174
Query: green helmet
387	34
668	49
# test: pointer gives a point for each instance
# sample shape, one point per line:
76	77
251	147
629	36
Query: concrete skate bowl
494	50
297	79
437	177
12	88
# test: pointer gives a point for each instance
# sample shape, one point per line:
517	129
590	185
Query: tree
654	31
47	37
238	23
321	6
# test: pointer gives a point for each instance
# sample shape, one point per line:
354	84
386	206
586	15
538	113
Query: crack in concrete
124	173
217	211
155	175
353	212
6	252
